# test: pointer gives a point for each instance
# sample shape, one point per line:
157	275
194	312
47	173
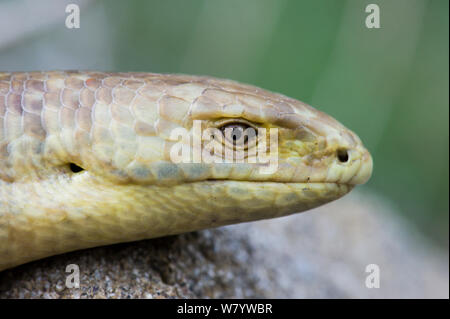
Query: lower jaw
99	215
261	199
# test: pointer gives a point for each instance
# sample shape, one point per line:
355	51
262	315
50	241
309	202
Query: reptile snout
352	165
350	162
361	158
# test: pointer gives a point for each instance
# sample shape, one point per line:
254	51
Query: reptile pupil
235	133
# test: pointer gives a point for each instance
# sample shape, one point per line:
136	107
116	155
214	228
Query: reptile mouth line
275	182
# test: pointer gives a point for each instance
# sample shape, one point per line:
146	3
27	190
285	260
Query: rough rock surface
317	254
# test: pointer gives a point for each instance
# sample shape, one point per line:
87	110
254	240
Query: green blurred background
389	85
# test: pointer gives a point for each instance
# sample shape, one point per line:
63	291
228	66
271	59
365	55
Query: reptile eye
238	134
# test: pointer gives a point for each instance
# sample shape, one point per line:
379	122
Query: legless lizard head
118	129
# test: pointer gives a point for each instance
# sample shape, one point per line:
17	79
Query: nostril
342	155
75	168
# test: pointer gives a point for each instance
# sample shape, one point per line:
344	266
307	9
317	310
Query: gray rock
322	253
